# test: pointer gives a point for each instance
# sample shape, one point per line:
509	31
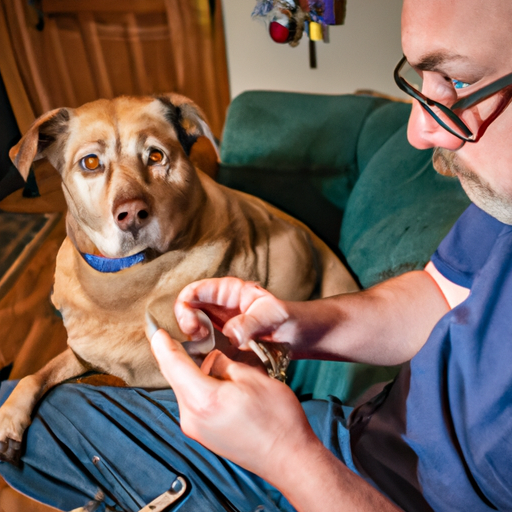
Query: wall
361	54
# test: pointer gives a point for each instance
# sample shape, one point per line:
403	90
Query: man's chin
499	206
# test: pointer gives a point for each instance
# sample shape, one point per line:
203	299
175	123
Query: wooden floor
30	331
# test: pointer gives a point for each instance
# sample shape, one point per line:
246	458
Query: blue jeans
119	448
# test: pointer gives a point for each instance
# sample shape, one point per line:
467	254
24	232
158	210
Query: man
439	437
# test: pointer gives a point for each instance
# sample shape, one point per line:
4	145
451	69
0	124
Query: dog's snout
132	215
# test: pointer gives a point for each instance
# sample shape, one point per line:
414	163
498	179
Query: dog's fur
194	228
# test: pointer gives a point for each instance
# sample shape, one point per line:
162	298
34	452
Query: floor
32	333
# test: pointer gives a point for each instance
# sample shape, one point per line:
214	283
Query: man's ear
188	120
42	134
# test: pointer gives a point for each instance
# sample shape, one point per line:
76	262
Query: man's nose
424	132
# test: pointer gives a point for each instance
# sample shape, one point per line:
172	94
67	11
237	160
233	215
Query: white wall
361	54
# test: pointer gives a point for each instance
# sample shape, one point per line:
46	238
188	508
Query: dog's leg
15	413
335	278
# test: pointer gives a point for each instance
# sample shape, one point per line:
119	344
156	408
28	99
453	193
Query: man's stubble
496	204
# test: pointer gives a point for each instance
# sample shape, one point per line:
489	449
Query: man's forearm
385	325
314	480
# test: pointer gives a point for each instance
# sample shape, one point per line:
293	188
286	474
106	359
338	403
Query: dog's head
125	170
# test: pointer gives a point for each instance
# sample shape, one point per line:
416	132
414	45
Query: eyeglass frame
464	103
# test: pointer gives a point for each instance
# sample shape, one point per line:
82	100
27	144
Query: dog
142	223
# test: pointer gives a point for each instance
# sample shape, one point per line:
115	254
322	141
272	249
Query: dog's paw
13	423
10	451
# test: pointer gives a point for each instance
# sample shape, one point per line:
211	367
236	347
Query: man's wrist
314	480
295	464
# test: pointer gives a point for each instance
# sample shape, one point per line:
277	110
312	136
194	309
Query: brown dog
135	200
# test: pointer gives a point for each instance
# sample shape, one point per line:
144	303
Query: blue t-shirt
440	437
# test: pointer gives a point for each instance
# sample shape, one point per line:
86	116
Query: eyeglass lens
473	117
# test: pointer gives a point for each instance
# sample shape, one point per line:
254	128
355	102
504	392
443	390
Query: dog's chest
104	314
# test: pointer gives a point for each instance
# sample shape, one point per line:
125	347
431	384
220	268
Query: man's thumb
180	371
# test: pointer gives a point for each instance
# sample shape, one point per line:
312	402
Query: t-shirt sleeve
465	249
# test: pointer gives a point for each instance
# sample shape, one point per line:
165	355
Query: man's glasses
479	109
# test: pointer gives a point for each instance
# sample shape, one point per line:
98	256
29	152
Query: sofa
343	166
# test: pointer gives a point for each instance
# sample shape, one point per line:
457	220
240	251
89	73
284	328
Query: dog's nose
132	215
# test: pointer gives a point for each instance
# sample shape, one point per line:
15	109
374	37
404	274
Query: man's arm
257	422
240	413
314	480
385	325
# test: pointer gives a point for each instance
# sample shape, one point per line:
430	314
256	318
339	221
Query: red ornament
278	32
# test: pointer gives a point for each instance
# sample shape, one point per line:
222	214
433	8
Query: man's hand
384	325
242	310
234	409
240	413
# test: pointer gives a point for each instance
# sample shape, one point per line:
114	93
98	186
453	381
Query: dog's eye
90	162
155	157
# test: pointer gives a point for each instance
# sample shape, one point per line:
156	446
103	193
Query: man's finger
242	328
190	324
219	291
260	321
222	291
182	373
220	366
210	365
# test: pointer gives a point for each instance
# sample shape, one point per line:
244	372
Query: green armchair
343	166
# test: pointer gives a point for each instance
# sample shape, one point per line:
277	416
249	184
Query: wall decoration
288	20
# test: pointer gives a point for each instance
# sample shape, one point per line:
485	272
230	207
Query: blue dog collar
109	265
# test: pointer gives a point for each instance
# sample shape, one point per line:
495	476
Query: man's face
469	41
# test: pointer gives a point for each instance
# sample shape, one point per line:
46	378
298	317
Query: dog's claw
10	451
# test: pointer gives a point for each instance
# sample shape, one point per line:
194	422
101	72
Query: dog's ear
39	139
188	120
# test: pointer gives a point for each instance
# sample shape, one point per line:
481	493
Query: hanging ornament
262	8
282	27
288	19
285	20
316	32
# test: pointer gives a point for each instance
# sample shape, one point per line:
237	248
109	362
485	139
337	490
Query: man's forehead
470	8
457	33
